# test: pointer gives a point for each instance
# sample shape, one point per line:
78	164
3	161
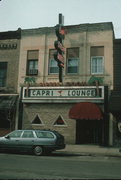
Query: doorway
88	131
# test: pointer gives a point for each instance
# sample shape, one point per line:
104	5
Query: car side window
44	134
49	135
15	134
28	134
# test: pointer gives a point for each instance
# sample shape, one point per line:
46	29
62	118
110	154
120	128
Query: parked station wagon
36	141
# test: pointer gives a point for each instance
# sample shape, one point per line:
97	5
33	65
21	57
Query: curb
89	154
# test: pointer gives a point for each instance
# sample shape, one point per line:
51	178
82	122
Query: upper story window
32	62
3	73
72	60
97	60
53	67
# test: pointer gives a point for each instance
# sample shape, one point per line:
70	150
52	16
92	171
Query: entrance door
88	131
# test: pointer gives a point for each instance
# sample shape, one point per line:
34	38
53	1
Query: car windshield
44	134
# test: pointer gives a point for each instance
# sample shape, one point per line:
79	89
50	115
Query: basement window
59	121
37	121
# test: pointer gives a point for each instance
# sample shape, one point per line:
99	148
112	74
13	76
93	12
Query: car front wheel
38	150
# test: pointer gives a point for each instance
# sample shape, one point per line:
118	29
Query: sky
28	14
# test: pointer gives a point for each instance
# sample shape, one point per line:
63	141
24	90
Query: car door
11	141
45	138
27	140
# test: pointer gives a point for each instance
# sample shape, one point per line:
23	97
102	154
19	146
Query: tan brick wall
83	39
48	114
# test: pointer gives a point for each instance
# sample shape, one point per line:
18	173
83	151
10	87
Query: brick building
78	107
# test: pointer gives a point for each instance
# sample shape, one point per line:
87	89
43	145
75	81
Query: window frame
97	68
28	67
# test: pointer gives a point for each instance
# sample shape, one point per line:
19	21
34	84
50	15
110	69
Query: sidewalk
91	150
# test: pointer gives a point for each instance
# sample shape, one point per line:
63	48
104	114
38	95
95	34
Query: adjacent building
115	98
9	65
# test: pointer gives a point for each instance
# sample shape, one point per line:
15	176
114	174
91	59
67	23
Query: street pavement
91	150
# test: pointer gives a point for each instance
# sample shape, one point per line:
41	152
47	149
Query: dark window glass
72	60
44	134
3	73
37	120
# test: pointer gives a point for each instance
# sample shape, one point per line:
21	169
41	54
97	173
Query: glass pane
28	134
100	66
53	67
15	134
39	134
94	65
72	65
53	63
72	62
97	65
30	64
49	135
36	65
72	69
44	134
54	70
33	64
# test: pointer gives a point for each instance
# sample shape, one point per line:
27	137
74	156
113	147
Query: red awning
85	110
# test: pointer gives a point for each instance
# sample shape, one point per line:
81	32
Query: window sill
37	124
60	126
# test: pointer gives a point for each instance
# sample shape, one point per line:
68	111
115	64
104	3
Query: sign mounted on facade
85	92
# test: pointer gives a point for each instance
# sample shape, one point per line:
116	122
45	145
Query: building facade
115	98
77	107
9	65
